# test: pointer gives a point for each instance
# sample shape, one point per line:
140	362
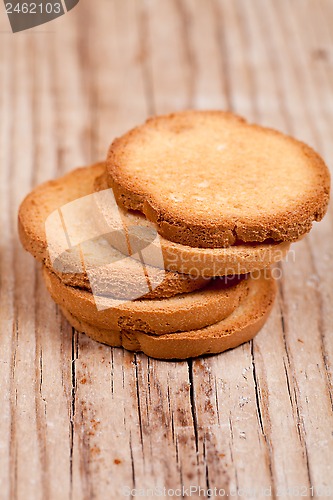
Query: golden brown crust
180	313
242	325
208	179
50	196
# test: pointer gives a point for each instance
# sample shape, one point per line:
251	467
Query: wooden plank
80	420
279	419
39	437
7	283
302	318
120	452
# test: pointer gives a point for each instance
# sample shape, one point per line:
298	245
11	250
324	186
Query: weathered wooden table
81	420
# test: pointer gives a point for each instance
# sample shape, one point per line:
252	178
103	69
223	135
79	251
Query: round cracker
210	179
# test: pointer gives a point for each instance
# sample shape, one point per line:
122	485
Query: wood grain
80	420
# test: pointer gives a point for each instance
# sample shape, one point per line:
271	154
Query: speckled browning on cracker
208	179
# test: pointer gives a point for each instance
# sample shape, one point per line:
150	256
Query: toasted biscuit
233	260
180	313
52	195
242	325
209	179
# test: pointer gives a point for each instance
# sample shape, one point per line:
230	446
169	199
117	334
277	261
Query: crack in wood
192	403
137	386
257	391
73	403
132	460
206	466
112	368
260	416
301	431
13	407
231	451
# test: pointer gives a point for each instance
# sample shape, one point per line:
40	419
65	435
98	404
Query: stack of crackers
167	246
